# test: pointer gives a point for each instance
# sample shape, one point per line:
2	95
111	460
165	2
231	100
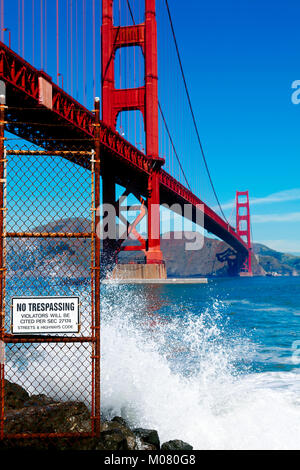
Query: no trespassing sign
45	315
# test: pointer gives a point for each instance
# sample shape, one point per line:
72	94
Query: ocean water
215	365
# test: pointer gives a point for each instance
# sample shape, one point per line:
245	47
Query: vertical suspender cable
77	57
84	49
120	62
68	55
71	26
2	20
57	43
140	74
94	51
23	29
42	39
33	32
126	82
134	85
45	41
19	27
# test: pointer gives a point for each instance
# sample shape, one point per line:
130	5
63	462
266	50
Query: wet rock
118	419
176	445
39	400
141	445
148	437
55	417
113	440
117	436
15	396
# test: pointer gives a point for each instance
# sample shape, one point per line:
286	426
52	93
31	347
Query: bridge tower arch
143	98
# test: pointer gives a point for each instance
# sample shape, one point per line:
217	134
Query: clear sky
240	59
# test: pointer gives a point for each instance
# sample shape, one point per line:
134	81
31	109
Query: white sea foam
261	307
176	374
211	406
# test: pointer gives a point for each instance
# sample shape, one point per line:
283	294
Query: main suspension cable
191	109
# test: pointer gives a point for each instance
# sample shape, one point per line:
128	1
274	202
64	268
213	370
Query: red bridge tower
243	227
144	99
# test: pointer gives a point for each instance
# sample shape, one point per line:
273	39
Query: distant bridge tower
243	227
144	99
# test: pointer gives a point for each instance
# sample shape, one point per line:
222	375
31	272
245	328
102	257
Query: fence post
2	260
97	267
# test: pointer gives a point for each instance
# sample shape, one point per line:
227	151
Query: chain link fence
48	260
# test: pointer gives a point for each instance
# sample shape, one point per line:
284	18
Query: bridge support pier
139	271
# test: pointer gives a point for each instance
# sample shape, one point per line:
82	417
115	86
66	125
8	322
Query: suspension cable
191	109
172	143
130	11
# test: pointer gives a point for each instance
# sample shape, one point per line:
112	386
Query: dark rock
113	440
114	436
56	417
15	396
176	445
148	437
144	446
39	400
117	436
118	419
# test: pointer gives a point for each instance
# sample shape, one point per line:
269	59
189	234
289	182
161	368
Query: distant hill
71	258
204	262
276	262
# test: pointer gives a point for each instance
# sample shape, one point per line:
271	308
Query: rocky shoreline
40	414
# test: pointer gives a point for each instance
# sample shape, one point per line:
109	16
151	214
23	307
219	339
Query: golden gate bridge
63	35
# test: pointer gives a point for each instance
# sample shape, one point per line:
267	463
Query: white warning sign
45	315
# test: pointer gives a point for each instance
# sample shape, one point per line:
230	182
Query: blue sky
240	59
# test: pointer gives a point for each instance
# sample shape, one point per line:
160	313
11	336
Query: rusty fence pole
97	267
2	257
